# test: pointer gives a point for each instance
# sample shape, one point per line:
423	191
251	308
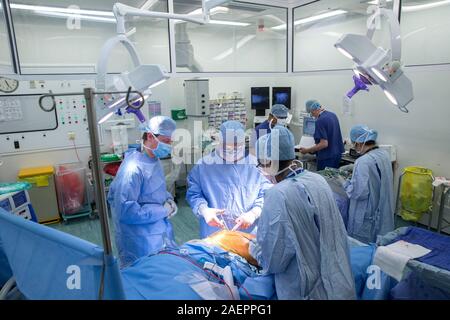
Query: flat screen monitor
260	98
281	95
309	126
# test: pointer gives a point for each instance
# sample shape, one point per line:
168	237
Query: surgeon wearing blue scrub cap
329	145
279	115
371	210
301	237
225	189
139	200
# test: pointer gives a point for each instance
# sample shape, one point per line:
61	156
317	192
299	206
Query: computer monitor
281	95
309	126
260	98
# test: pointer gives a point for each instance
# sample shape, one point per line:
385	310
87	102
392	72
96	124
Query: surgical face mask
271	174
232	154
266	172
280	121
162	150
360	151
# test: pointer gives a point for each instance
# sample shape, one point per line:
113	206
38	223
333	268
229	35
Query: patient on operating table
233	241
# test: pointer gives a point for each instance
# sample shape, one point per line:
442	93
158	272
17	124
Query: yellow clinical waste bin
416	193
42	193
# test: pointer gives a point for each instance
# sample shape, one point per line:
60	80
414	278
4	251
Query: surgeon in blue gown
138	197
225	188
371	210
301	237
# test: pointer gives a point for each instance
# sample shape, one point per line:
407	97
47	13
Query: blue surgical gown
370	190
302	241
136	198
236	187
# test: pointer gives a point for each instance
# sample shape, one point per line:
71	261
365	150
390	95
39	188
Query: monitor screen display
309	126
281	95
260	98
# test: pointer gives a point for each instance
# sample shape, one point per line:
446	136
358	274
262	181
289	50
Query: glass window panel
53	40
425	31
242	37
5	52
318	25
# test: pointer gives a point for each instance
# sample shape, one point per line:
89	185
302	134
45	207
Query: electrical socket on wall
71	135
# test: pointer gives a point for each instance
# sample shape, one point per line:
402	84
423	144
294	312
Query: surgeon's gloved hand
171	207
247	219
210	216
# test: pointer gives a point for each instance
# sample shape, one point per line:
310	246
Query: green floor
185	225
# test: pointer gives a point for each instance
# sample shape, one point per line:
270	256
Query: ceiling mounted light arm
130	102
121	11
105	53
184	51
394	27
143	77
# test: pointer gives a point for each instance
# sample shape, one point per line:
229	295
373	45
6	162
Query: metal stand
100	197
444	195
97	174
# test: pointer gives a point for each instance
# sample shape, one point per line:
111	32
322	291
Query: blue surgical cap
361	133
281	139
161	125
279	111
312	105
232	130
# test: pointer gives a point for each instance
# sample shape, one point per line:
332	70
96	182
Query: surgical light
140	79
356	72
361	83
379	74
345	53
143	77
376	65
157	83
106	117
391	97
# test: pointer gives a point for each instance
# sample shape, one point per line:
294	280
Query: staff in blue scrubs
225	188
301	237
370	190
140	203
278	115
328	138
